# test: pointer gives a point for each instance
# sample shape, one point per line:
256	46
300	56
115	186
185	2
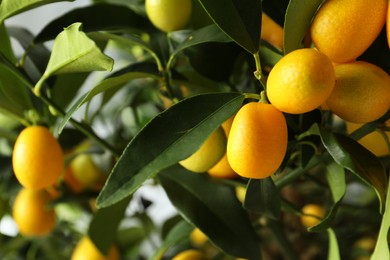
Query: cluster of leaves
163	96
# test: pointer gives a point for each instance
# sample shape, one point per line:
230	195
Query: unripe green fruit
208	154
168	15
86	171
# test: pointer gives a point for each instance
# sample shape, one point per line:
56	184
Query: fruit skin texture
223	169
210	152
257	141
344	29
169	15
32	213
361	93
314	210
86	249
301	81
374	141
190	254
37	158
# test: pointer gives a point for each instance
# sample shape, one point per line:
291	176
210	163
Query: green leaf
68	57
104	225
335	176
381	250
115	17
333	250
10	8
171	136
336	179
180	232
202	201
240	19
299	15
116	81
14	91
5	44
357	159
262	197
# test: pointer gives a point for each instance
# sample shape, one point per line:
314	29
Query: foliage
147	100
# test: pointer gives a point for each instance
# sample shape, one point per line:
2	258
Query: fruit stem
252	95
259	72
263	98
167	79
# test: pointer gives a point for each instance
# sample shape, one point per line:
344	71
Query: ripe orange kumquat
301	81
361	93
344	29
32	213
37	158
257	141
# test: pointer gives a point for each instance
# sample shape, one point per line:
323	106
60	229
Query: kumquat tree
195	129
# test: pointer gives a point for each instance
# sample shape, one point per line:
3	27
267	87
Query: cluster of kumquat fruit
326	75
38	162
39	165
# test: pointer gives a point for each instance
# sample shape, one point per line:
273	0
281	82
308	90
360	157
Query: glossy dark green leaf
177	234
14	91
357	159
240	19
10	8
171	136
335	176
297	22
104	225
262	197
115	17
202	201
